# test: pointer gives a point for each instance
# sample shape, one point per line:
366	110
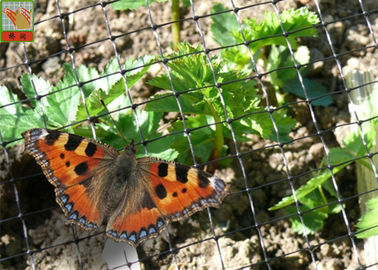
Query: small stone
51	65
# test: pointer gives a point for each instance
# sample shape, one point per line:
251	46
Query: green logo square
17	21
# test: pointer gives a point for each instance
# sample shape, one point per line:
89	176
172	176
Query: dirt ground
239	244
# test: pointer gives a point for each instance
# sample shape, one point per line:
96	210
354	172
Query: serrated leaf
330	188
61	106
107	81
366	109
238	58
128	127
93	101
240	97
223	25
168	103
42	87
263	125
296	21
202	140
14	118
265	33
312	200
111	89
305	189
369	221
85	75
313	220
281	63
335	208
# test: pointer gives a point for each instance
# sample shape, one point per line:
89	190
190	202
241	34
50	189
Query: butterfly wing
136	219
179	191
168	191
71	163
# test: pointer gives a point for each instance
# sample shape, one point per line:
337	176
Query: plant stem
323	197
176	25
219	139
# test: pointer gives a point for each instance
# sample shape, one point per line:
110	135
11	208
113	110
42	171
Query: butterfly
135	198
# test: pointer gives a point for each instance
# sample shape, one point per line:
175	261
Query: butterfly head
131	148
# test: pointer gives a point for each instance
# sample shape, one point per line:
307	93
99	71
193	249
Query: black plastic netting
289	108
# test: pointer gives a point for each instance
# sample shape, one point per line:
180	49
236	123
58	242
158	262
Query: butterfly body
134	198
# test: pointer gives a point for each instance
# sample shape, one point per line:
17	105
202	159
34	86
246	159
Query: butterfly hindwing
179	191
135	225
69	162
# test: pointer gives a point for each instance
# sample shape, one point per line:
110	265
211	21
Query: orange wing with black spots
134	198
179	191
69	162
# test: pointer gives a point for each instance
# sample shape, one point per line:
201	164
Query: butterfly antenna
113	121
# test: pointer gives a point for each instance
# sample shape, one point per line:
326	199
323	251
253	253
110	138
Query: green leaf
305	189
111	89
337	156
128	127
107	81
168	103
353	141
328	185
313	200
265	33
42	87
61	106
369	221
238	58
15	119
357	148
162	149
135	71
132	4
335	208
223	25
313	88
93	102
202	139
296	21
313	221
85	75
281	62
137	68
263	125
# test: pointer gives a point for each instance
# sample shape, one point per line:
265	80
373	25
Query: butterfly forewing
69	162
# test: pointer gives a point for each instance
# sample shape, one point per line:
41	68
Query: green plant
203	105
368	223
266	37
61	104
319	190
200	100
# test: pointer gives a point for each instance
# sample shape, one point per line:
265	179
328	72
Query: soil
244	234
